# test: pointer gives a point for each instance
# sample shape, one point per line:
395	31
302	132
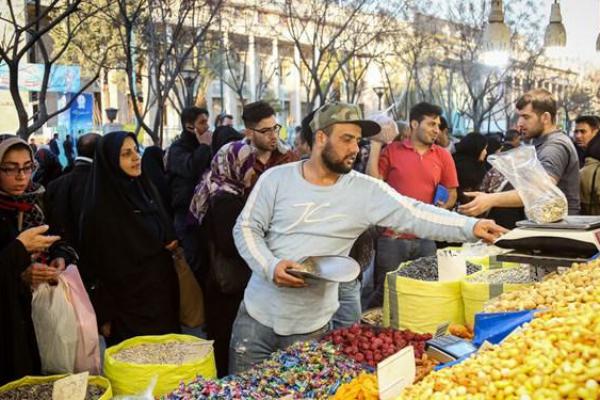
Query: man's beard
339	167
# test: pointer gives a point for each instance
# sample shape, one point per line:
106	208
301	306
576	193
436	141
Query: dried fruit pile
364	387
373	317
580	284
43	391
556	356
426	269
174	352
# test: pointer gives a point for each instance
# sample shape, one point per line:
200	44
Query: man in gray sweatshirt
319	207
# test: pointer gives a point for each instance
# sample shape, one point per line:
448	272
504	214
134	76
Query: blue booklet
441	194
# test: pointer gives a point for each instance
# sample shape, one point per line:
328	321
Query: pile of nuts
43	391
504	275
580	284
555	356
426	269
548	209
174	353
368	345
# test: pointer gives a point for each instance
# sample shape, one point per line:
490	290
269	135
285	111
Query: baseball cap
337	112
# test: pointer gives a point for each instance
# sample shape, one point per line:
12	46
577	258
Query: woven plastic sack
544	202
33	380
420	306
56	327
130	378
476	294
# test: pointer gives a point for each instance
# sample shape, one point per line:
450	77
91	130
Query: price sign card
395	373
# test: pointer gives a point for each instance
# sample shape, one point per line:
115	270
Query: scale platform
550	246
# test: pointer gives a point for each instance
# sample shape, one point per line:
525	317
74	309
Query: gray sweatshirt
288	218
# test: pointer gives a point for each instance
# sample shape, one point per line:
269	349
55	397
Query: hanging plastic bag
88	343
389	129
544	202
56	328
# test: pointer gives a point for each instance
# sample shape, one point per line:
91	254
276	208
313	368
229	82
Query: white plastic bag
56	327
389	129
544	202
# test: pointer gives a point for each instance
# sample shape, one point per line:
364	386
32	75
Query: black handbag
231	274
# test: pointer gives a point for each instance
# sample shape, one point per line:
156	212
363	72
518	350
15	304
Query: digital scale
448	348
559	244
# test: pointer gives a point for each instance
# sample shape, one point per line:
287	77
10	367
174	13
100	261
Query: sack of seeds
414	299
170	359
40	388
544	202
480	287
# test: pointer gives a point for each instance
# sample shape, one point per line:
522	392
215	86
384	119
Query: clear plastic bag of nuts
544	202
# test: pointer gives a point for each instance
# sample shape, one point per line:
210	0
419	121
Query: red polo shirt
415	175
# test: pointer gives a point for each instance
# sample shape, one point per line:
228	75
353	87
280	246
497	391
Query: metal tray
575	222
329	268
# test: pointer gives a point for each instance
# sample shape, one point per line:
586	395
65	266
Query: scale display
449	348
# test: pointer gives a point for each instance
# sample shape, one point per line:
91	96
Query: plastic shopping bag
544	202
88	343
56	327
389	129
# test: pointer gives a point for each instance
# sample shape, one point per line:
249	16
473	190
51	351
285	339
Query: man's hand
204	138
283	279
38	273
34	239
487	230
481	203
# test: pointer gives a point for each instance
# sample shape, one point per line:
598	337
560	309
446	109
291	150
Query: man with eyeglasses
262	130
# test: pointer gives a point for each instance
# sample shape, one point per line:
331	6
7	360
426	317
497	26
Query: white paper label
73	387
452	265
395	373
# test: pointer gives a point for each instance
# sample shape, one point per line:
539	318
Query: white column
252	70
299	90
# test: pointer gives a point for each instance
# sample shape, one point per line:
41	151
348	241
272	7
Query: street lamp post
379	91
188	79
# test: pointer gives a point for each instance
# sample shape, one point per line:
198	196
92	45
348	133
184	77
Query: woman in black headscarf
28	257
126	236
223	135
470	164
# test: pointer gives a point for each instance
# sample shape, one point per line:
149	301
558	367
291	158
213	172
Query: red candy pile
370	345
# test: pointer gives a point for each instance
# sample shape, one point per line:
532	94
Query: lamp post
496	37
379	91
188	75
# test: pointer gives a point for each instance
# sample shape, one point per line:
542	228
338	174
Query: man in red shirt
414	167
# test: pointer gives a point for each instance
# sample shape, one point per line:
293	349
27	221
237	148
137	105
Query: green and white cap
337	112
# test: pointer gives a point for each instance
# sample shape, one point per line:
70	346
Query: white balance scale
559	244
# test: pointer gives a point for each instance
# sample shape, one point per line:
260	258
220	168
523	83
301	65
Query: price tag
452	265
442	329
395	373
73	387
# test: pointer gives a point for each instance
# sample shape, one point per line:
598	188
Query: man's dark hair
221	117
189	115
307	134
443	123
254	112
511	134
56	136
419	111
86	144
541	101
591	120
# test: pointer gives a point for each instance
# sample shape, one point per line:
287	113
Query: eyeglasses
16	171
272	130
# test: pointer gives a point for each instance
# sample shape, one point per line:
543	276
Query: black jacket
63	201
186	162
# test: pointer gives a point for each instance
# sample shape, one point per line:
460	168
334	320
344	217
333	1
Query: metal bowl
328	268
